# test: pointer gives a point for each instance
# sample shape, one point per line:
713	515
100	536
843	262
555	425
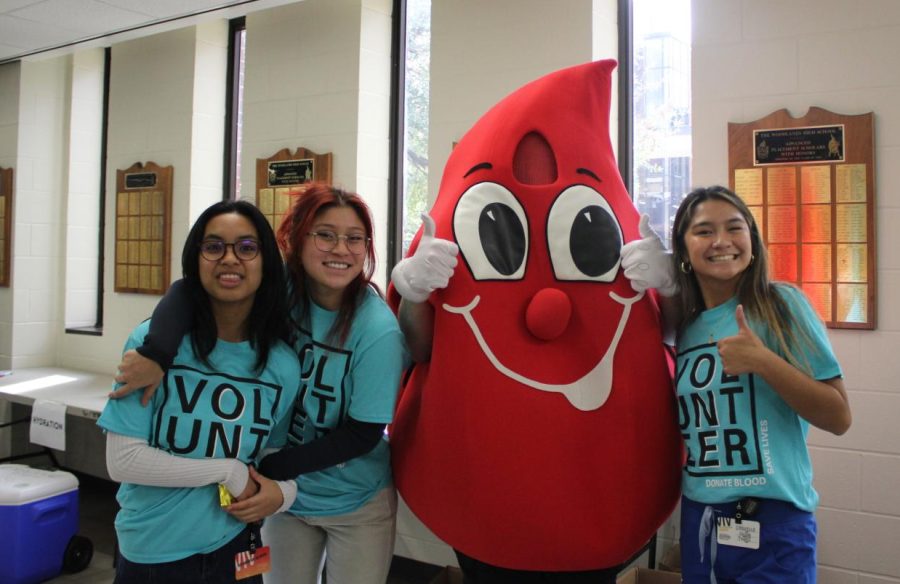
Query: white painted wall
166	105
318	77
207	130
751	58
41	169
82	219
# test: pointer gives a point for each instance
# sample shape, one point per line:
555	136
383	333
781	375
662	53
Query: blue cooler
39	515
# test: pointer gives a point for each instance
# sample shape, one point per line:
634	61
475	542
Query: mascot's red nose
548	313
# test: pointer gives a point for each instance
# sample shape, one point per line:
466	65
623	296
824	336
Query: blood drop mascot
541	434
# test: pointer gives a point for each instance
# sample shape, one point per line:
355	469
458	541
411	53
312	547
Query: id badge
744	534
252	563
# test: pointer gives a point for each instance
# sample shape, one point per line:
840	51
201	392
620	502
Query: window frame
233	103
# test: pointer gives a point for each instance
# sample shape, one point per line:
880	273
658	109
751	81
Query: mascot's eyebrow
589	173
482	166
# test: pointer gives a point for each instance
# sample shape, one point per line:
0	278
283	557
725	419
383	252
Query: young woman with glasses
352	354
232	382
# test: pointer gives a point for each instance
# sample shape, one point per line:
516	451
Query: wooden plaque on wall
810	183
284	172
143	228
6	200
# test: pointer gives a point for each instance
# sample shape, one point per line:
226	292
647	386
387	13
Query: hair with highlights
267	321
755	291
307	206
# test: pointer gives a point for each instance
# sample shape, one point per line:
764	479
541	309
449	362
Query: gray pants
355	548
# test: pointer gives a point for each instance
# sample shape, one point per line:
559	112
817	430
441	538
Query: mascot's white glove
647	264
427	270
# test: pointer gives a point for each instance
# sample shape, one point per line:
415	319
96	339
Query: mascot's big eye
492	232
583	236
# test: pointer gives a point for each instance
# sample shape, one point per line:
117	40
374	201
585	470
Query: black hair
267	321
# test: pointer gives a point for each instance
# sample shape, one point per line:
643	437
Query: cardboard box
648	576
449	575
671	559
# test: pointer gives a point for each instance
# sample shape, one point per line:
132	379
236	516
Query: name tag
252	563
744	534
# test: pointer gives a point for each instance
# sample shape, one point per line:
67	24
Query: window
657	167
234	108
414	159
661	105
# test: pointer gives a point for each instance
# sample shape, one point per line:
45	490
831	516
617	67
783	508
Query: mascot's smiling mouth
586	394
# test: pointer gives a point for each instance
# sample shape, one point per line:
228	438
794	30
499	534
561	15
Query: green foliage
418	61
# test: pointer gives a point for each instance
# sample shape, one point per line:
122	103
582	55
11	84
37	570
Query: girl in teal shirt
754	369
226	397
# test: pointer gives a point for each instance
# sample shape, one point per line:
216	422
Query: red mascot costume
542	433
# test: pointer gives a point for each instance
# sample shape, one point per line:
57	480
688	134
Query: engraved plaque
850	182
815	184
850	223
286	174
809	183
782	189
816	263
815	223
143	212
748	185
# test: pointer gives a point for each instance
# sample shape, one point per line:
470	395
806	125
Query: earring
752	257
686	268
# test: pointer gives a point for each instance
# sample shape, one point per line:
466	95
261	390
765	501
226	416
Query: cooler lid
22	484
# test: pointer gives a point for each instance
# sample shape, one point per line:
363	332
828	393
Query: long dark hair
309	204
755	291
267	321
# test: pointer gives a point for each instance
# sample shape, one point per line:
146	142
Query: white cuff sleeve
132	460
288	488
289	492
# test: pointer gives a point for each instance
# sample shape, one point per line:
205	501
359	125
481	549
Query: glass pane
415	160
662	109
239	124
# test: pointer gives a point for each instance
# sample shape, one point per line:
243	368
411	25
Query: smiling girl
227	395
754	369
351	355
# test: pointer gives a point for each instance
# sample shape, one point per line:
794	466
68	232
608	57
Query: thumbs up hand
427	270
646	262
742	352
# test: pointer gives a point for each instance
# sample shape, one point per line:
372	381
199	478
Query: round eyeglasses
328	241
243	249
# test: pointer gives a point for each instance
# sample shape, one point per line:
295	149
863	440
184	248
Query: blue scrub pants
787	547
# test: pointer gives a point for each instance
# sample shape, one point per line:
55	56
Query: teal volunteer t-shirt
360	380
225	410
742	439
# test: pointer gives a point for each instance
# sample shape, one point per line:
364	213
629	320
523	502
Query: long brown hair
308	204
755	291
